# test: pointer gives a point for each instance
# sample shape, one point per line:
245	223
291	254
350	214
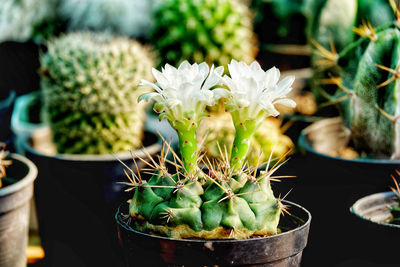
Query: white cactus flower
183	92
254	92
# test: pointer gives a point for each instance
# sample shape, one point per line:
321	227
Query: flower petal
286	102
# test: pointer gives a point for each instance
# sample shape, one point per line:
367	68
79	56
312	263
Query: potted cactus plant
89	83
361	146
225	214
17	175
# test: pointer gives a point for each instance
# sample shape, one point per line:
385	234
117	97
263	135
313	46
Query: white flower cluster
125	17
252	92
183	92
19	17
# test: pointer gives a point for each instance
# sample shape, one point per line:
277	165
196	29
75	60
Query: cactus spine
90	86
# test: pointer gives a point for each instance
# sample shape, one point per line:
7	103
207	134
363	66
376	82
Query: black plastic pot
14	211
328	186
283	249
76	196
373	213
6	108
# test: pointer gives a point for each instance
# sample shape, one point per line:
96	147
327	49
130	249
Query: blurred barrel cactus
217	131
203	30
90	87
124	17
22	20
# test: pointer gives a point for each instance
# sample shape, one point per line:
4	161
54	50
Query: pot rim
305	225
151	149
25	181
303	143
354	208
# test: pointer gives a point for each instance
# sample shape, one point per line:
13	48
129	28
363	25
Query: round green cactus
203	30
220	206
217	132
90	86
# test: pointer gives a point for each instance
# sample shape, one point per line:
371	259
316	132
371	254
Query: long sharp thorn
287	194
270	157
386	68
391	79
115	156
129	178
385	114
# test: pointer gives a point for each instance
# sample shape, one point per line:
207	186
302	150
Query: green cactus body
89	83
186	130
371	110
204	30
243	208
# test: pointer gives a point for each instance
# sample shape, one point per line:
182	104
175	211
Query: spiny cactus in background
4	163
90	87
395	209
334	20
228	200
20	20
218	131
330	28
125	17
203	30
369	91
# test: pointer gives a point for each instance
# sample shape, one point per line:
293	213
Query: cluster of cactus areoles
90	86
4	163
226	199
367	78
395	209
213	31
